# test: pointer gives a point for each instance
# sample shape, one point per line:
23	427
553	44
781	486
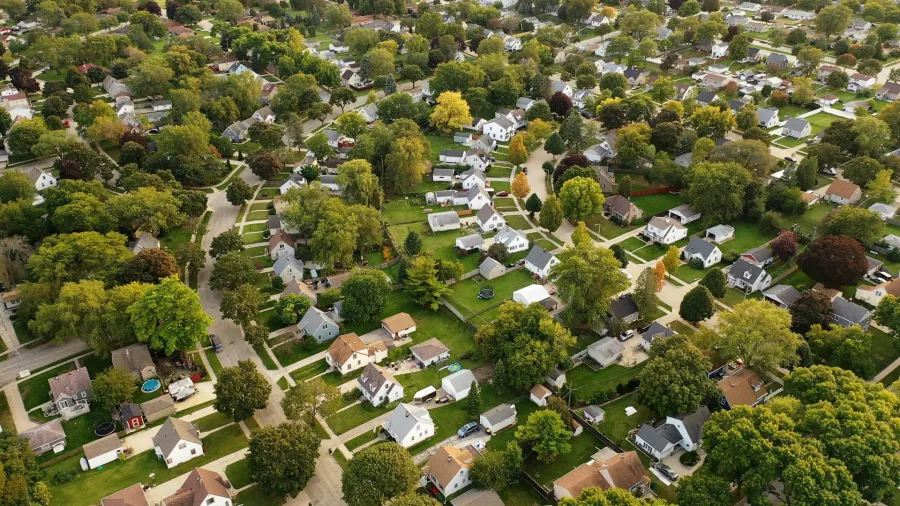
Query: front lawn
688	274
359	414
36	389
309	371
605	227
518	222
617	424
884	349
500	186
238	474
465	293
213	359
254	496
213	421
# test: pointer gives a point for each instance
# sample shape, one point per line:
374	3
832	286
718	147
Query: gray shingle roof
471	241
656	330
485	214
849	311
442	173
765	115
786	294
623	307
460	380
173	432
705	97
652	437
796	124
372	378
697	246
539	257
429	349
441	219
742	267
500	413
313	320
453	153
693	422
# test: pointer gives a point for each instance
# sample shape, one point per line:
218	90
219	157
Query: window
193	451
181	446
210	500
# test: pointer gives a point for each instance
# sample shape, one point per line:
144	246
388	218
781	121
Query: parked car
829	171
66	123
666	471
467	429
624	336
503	194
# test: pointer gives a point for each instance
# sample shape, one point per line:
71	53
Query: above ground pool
151	385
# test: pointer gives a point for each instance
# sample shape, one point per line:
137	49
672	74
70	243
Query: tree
517	154
358	183
413	499
712	122
113	387
241	304
672	258
15	185
265	165
423	283
750	154
834	260
231	271
704	489
871	135
310	398
861	224
412	73
365	294
351	124
739	47
291	308
586	278
862	170
451	112
717	190
520	188
192	255
845	347
555	145
341	96
811	308
551	213
581	198
697	305
675	380
633	144
546	434
620	254
533	204
758	333
806	173
413	243
149	266
644	292
25	134
596	496
239	192
496	469
785	245
808	60
714	281
226	242
560	104
14	254
833	19
169	317
473	401
241	390
378	473
572	131
662	89
282	458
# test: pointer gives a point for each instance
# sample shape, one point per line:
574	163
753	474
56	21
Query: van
216	342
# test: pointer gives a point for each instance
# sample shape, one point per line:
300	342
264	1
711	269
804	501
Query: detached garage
102	451
530	295
499	418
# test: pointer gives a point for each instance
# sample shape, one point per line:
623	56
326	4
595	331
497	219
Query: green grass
688	274
605	227
213	360
404	211
295	351
265	358
283	384
88	488
306	372
798	280
505	202
884	349
171	239
36	389
439	142
499	171
213	421
439	246
746	236
810	219
95	364
659	203
252	238
587	382
517	221
253	496
464	296
500	186
238	474
80	430
361	440
357	415
583	446
617	424
254	227
259	206
681	328
258	215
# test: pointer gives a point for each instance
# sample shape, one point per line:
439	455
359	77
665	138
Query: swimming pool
151	385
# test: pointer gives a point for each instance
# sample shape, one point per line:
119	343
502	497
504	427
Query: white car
626	274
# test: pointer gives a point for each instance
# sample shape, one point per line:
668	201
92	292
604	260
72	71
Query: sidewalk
19	415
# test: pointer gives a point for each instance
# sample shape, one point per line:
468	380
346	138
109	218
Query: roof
765	115
759	254
618	204
279	237
405	417
842	188
685	210
131	496
285	261
429	349
743	388
460	380
532	293
489	264
540	391
344	346
606	347
485	214
665	223
161	403
506	235
132	358
503	122
448	461
70	384
102	445
705	97
785	294
623	470
453	153
477	498
693	422
443	219
594	411
44	434
796	124
294	287
199	485
539	257
849	311
720	230
173	432
655	330
500	413
698	246
443	172
130	411
890	87
471	241
658	438
398	322
373	377
742	267
776	57
623	307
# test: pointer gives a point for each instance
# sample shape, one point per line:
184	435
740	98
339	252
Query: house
440	222
135	359
265	115
777	60
636	77
498	418
663	33
157	409
797	128
622	209
477	159
539	395
476	125
514	240
685	431
71	392
760	256
872	295
606	351
512	43
848	314
531	294
525	103
288	268
488	219
318	324
459	384
625	309
889	92
379	386
439	175
736	20
491	269
580	98
781	295
295	181
885	211
664	230
408	425
594	414
348	353
294	287
684	160
499	129
859	82
42	180
611	68
143	242
282	244
561	87
655	330
430	352
131	496
103	451
719	50
399	326
463	137
599	152
714	82
448	469
843	192
11	299
369	113
202	487
539	261
768	117
683	90
595	20
748	277
720	233
470	242
351	78
472	178
45	437
475	497
329	182
622	470
698	249
124	106
236	131
825	71
750	7
685	214
743	388
177	442
131	416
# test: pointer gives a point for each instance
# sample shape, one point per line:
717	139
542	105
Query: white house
471	178
539	395
606	351
531	294
288	269
539	261
512	43
41	179
265	115
102	451
430	352
885	211
440	222
664	230
476	198
797	128
745	276
719	51
499	129
843	192
448	469
399	325
453	156
514	240
859	82
348	353
797	15
498	418
768	118
685	431
488	219
177	442
408	425
458	384
470	242
442	175
707	253
369	113
379	386
295	181
685	214
281	244
561	87
873	294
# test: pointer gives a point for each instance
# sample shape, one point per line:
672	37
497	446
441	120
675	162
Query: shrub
62	477
689	458
893	255
696	263
769	222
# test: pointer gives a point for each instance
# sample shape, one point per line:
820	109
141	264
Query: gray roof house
606	351
760	256
539	261
847	314
706	252
45	437
317	324
288	268
594	413
498	418
777	60
781	295
70	392
625	309
408	424
439	222
135	359
748	277
442	175
430	352
797	128
705	97
768	118
685	431
471	241
490	268
655	330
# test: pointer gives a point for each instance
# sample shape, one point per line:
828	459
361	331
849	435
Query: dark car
666	471
789	159
467	429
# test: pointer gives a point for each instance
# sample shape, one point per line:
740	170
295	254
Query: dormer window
747	275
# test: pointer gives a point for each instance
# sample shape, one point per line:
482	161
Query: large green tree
674	380
169	317
378	473
231	271
241	390
581	198
113	387
282	458
546	434
758	333
586	277
310	398
717	190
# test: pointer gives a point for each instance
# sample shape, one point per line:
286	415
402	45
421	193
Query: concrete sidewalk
17	408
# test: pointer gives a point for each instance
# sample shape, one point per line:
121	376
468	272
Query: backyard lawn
656	204
465	293
810	219
439	142
884	349
36	389
587	382
583	446
617	424
746	236
441	244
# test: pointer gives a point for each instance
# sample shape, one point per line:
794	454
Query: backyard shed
499	418
102	451
539	395
159	408
458	384
491	269
400	325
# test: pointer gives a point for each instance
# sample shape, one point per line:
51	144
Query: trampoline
486	293
104	428
151	385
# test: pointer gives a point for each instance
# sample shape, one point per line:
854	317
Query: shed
530	294
102	451
131	416
400	325
499	418
159	408
539	395
458	384
490	269
594	414
430	352
720	233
